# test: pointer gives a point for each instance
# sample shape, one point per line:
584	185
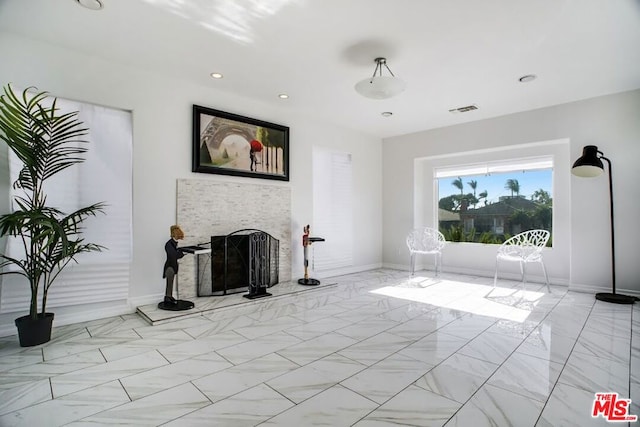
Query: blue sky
529	181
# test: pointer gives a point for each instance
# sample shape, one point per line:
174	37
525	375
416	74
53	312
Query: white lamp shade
380	87
586	171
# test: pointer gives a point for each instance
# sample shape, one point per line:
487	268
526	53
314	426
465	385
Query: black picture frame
230	144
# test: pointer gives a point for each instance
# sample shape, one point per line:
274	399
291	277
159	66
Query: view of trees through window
491	208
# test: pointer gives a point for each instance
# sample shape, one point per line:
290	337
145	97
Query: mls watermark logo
612	408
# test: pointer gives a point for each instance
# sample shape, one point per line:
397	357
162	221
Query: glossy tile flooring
378	349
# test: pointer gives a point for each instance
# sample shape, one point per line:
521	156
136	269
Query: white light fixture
378	86
216	75
283	96
91	4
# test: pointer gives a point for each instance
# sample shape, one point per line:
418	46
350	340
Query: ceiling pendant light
378	86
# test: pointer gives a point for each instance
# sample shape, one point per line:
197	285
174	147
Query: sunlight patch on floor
504	303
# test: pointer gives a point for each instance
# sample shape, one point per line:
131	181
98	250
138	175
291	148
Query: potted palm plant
46	142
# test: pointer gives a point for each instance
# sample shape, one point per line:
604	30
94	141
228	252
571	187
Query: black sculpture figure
170	271
306	242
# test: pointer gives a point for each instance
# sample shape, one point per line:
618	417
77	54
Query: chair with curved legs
524	248
425	240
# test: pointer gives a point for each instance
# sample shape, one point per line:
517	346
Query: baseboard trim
346	270
481	273
591	289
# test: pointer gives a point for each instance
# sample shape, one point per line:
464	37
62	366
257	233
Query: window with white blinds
332	209
487	168
104	176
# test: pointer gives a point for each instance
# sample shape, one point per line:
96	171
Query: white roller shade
485	168
332	209
104	176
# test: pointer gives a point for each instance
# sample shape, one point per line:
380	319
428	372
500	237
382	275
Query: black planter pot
34	332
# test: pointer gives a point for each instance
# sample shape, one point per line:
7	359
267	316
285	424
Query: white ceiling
451	53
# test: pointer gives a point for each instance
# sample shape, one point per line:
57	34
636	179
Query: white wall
162	154
610	122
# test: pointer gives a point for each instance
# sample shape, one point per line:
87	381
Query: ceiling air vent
463	109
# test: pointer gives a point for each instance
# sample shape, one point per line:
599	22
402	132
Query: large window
105	176
490	202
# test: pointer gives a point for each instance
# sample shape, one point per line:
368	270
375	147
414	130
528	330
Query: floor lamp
588	166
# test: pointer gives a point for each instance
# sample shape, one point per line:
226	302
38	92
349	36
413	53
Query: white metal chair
425	240
524	248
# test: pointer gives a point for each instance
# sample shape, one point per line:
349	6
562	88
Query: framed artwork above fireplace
230	144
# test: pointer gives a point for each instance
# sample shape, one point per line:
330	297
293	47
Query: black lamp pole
590	165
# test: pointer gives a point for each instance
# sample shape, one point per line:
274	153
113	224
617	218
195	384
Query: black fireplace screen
244	260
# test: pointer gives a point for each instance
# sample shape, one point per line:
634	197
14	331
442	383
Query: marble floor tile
153	410
372	348
605	325
260	329
421	326
24	358
75	406
634	395
493	406
311	379
245	409
217	326
571	407
413	406
228	382
168	376
317	327
528	376
189	349
24	395
491	347
567	323
376	348
635	363
381	381
434	348
131	348
516	329
315	314
335	407
545	344
596	374
258	347
119	326
100	374
612	347
467	327
407	312
458	377
265	315
367	328
361	313
83	344
316	348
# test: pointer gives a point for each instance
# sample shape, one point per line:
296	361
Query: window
104	176
490	202
332	209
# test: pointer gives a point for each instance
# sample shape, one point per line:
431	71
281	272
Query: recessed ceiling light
528	78
91	4
386	114
217	75
283	96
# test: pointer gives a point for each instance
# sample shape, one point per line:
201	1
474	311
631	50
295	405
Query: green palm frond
46	142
